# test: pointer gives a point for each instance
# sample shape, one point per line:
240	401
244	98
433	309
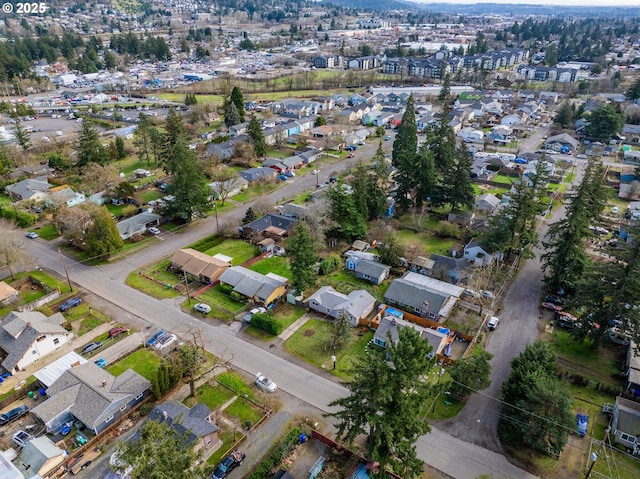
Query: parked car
614	210
165	341
91	347
228	464
566	320
290	173
582	156
351	155
387	138
486	294
70	303
247	317
265	383
550	306
152	340
351	148
113	332
282	177
100	362
202	308
12	415
20	438
492	323
153	230
32	235
552	298
469	293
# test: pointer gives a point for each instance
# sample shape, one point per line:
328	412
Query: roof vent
104	384
165	415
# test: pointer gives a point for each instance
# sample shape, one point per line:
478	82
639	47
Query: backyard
223	307
276	264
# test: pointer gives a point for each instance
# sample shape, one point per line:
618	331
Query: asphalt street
453	455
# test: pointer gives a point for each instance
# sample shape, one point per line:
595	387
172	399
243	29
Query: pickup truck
228	464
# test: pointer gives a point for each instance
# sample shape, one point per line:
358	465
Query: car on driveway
282	177
552	298
152	340
91	347
32	235
165	341
265	383
13	414
486	294
247	317
492	323
70	303
20	438
113	332
153	230
387	138
202	308
351	148
100	362
228	464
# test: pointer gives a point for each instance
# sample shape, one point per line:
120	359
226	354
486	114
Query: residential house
274	163
228	189
35	189
50	373
40	456
562	142
631	157
354	258
256	174
390	325
501	134
549	97
226	149
198	265
479	255
258	288
292	210
137	225
632	363
27	337
196	423
423	296
309	156
271	225
487	203
471	134
293	162
625	424
8	294
91	395
512	120
345	116
370	118
445	268
372	271
64	195
239	129
358	304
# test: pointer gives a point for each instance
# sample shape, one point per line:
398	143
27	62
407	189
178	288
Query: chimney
165	415
29	324
104	384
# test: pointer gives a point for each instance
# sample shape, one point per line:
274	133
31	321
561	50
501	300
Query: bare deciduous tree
226	180
12	252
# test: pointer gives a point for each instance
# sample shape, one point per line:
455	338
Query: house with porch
198	265
389	326
264	289
358	304
479	255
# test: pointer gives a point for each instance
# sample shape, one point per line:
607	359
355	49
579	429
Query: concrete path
287	333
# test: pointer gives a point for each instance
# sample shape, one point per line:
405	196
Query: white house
357	305
512	120
231	187
479	255
137	224
28	337
471	134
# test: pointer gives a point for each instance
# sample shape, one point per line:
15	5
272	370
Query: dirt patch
309	332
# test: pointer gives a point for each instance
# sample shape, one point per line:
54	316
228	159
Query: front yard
143	361
222	306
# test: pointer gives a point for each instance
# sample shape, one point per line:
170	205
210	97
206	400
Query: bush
267	323
225	289
444	229
329	264
274	459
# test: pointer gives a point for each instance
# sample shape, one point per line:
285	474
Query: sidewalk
287	333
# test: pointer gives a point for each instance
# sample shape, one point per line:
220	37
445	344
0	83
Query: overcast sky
574	3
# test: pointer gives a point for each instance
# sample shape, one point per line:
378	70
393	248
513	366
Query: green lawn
283	153
150	195
5	198
276	264
46	279
213	396
143	361
151	288
236	383
426	243
254	191
47	232
507	180
240	251
243	411
311	343
89	323
222	306
115	210
583	353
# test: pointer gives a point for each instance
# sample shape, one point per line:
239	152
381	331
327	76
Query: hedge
267	323
274	459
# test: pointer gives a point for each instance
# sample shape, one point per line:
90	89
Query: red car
351	155
117	331
551	307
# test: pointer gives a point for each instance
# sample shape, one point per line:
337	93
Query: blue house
354	258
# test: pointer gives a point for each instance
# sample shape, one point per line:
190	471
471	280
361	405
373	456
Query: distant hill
489	8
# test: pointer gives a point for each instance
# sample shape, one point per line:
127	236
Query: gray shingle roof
271	219
250	283
183	419
407	293
371	268
81	390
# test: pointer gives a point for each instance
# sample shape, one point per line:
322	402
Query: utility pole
186	283
66	271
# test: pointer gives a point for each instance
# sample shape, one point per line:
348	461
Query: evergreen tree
390	251
189	186
634	91
470	374
102	237
445	90
249	216
341	332
387	393
368	194
350	223
122	153
537	407
231	113
403	157
88	146
254	130
425	176
301	249
566	258
564	116
320	121
142	138
456	180
238	100
442	140
172	143
23	137
604	122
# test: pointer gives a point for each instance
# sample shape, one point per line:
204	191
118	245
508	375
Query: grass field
240	251
47	232
150	195
143	361
312	343
222	306
243	411
507	180
159	291
426	243
276	264
583	353
213	396
236	383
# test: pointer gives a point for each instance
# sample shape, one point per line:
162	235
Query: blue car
155	337
70	303
101	363
282	177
